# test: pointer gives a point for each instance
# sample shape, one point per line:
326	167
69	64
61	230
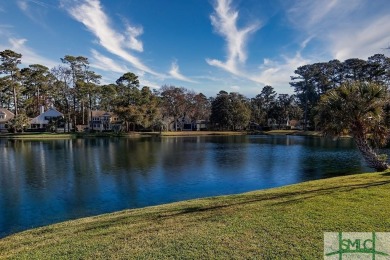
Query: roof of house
99	113
8	115
52	112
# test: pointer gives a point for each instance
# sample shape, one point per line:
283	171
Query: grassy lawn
281	223
282	132
293	132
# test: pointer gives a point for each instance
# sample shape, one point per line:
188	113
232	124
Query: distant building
103	121
295	124
187	124
48	119
5	117
200	125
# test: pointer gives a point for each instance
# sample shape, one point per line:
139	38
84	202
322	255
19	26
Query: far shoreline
49	136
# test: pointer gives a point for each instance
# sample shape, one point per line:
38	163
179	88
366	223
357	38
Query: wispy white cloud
345	28
277	73
310	14
338	29
113	70
22	5
235	88
306	42
35	12
132	33
362	42
99	61
29	56
40	3
149	83
175	73
224	21
4	28
91	14
324	30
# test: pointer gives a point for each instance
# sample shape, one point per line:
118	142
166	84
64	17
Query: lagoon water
44	182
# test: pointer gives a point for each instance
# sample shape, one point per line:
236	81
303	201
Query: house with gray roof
48	119
5	117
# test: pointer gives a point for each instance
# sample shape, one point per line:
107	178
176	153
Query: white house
5	116
42	121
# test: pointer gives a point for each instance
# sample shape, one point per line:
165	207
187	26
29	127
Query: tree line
311	81
75	90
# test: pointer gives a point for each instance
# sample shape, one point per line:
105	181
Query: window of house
2	115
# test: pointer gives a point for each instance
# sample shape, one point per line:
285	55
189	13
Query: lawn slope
281	223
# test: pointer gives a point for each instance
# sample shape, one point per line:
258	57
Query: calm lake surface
43	182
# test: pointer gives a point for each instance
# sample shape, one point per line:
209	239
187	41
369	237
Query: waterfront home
200	125
50	120
5	117
104	121
295	124
185	123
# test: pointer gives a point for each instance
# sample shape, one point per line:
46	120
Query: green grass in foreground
281	223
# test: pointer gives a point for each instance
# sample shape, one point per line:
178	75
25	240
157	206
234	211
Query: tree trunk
68	121
67	114
15	100
372	159
38	101
74	114
90	112
83	112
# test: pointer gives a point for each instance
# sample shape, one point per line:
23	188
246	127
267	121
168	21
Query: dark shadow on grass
331	190
274	198
289	197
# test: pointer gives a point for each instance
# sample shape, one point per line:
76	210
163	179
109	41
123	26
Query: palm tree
357	107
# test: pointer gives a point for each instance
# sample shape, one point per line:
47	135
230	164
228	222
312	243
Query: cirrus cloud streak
90	13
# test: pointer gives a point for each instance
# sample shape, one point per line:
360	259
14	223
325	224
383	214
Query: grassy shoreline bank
280	223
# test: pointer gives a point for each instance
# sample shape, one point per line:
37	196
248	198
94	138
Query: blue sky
203	45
